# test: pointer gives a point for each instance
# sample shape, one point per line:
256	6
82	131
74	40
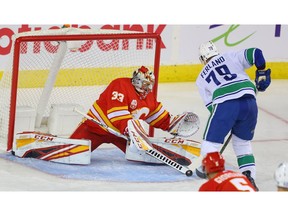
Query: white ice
270	146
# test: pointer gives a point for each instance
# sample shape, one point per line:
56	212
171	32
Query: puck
189	173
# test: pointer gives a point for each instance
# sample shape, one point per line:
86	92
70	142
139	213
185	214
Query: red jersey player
220	179
125	99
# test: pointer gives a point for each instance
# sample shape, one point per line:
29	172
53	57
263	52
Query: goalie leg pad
139	143
134	154
51	148
177	149
182	154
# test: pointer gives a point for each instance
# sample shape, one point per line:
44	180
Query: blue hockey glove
263	79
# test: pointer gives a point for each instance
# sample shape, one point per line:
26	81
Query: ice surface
270	146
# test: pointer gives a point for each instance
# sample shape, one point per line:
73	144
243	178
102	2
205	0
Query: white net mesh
75	71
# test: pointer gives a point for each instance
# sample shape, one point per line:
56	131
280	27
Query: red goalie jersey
122	100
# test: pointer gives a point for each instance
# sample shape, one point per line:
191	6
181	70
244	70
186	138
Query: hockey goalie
119	116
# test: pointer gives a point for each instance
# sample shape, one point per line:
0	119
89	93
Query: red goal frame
16	61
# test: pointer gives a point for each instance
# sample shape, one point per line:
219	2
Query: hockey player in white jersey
230	96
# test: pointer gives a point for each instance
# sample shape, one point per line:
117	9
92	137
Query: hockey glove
185	124
263	79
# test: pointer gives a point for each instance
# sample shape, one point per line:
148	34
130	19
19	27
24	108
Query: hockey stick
116	133
198	162
149	149
153	139
229	138
226	143
139	137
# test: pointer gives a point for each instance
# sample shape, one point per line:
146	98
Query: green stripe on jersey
250	55
245	159
233	88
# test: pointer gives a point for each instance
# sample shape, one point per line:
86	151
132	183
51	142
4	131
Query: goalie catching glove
263	79
185	124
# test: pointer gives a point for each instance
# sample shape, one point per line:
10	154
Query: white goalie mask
206	51
281	175
143	80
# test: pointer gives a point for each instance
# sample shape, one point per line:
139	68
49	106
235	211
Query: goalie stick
174	140
147	148
139	137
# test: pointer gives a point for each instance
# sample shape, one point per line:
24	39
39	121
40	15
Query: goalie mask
206	51
281	175
143	80
213	162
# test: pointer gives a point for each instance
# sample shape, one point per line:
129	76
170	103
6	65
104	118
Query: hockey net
52	71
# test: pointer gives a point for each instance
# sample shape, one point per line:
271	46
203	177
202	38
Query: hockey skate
248	175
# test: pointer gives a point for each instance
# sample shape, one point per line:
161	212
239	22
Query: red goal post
51	71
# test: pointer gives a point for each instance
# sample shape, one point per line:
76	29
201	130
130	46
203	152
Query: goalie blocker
51	148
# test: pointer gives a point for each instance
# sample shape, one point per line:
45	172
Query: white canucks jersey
224	78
